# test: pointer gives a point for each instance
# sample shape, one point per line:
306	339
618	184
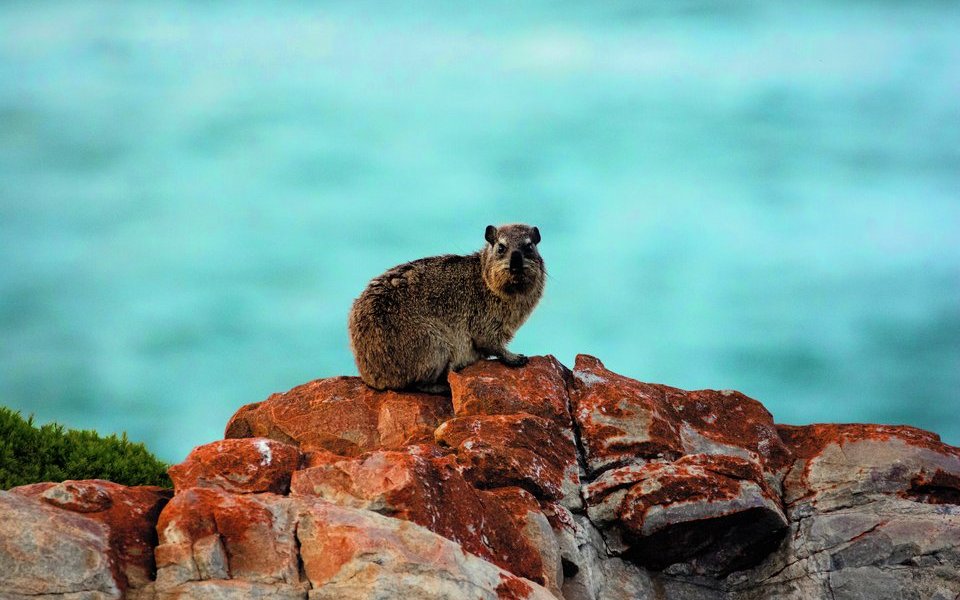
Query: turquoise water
758	196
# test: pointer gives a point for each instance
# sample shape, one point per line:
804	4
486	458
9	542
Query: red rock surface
245	465
671	464
808	441
358	554
515	450
622	419
835	460
728	422
129	513
343	416
536	529
511	588
208	533
430	491
491	388
701	503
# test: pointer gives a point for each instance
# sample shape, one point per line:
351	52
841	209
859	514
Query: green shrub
29	455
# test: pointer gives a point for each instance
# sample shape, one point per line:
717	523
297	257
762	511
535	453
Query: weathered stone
536	528
731	424
48	550
256	532
680	476
873	516
491	388
130	514
211	557
569	537
516	450
81	496
914	547
430	491
360	555
246	465
839	465
342	415
712	511
621	419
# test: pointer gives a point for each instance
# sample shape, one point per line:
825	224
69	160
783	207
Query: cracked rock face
530	483
428	490
129	515
867	519
76	556
692	477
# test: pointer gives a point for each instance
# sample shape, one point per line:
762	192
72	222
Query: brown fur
421	319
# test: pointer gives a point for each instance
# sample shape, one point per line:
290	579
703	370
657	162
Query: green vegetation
49	453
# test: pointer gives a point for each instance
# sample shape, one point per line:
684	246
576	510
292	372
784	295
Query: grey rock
49	551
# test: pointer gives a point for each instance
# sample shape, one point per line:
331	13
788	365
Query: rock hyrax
424	318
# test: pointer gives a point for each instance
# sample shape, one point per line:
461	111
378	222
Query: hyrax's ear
535	235
491	234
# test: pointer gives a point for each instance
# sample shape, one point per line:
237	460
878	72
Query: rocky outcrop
538	482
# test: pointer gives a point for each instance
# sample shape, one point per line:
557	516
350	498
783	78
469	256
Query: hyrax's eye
501	248
528	247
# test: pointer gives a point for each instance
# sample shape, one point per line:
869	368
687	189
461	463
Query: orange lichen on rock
244	465
129	513
514	450
621	419
342	415
489	387
427	490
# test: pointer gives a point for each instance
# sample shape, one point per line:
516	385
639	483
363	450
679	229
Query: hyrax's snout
516	261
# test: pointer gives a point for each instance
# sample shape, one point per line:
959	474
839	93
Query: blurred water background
753	195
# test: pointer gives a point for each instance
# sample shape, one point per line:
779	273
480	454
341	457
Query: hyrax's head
511	263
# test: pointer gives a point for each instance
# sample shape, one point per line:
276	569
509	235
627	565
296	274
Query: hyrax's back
417	321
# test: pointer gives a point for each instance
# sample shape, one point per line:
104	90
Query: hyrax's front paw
514	360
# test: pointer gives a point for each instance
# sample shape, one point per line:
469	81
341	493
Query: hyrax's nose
516	260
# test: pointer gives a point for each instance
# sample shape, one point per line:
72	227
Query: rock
622	420
680	476
536	528
208	533
839	465
489	387
728	423
232	590
428	489
215	544
709	510
873	515
516	450
359	555
129	513
48	550
246	465
343	416
568	535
